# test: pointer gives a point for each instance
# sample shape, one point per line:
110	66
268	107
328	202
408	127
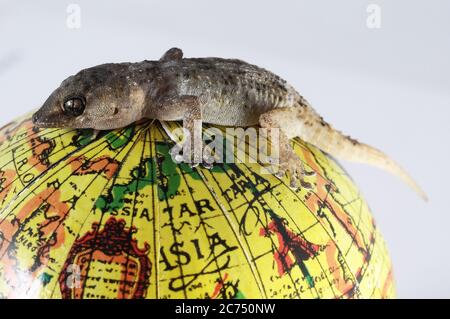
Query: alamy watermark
235	145
373	20
73	280
73	20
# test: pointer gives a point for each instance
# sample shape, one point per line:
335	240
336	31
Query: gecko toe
309	173
293	183
280	173
306	185
207	165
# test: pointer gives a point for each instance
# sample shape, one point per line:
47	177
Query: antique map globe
112	216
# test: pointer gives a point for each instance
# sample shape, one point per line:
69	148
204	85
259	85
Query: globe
113	216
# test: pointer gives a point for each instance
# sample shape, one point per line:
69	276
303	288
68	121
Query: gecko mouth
40	122
45	125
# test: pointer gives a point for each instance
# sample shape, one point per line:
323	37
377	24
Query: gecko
226	92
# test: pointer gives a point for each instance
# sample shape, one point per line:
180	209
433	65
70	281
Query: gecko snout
38	119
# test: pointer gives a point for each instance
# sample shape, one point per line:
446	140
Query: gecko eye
74	106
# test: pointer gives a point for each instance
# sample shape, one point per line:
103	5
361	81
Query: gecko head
101	98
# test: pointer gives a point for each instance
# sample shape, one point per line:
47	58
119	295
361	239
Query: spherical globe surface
112	216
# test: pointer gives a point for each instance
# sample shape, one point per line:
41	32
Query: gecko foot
209	157
292	166
205	154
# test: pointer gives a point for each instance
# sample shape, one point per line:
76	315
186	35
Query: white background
389	87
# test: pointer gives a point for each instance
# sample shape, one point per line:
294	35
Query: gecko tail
367	154
324	136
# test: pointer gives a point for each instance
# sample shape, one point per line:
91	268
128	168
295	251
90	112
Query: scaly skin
234	92
213	90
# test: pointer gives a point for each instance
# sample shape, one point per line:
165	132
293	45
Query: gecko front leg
188	108
289	162
192	123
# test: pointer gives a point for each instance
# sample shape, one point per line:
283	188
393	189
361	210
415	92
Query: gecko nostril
35	118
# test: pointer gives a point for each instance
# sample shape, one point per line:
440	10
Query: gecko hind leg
289	162
302	121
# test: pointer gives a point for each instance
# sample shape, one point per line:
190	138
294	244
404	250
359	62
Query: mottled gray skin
236	93
230	92
213	90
